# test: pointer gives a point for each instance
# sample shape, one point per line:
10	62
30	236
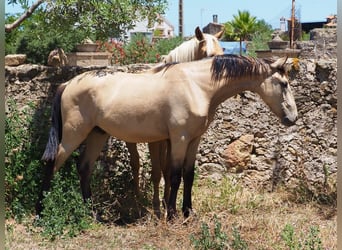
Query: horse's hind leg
93	146
155	149
135	164
70	141
47	178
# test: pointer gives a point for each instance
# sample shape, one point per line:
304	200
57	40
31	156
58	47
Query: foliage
228	198
229	34
139	49
35	39
11	38
60	23
208	241
243	25
237	242
260	37
309	241
164	46
64	213
25	135
217	239
97	16
22	175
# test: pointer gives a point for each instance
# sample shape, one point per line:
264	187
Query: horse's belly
135	131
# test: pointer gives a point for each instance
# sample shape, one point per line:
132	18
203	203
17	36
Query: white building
160	29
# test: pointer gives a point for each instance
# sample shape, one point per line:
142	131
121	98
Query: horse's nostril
288	122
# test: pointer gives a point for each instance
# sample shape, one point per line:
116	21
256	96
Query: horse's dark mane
233	66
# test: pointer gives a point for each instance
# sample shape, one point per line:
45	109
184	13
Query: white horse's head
200	46
208	44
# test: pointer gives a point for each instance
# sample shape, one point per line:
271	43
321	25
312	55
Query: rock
15	59
238	154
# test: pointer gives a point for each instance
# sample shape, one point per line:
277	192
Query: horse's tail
55	134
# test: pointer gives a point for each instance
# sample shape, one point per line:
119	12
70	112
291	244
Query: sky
200	12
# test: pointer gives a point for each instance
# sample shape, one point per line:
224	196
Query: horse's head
208	44
277	94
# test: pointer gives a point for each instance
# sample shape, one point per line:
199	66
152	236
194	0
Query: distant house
213	27
161	29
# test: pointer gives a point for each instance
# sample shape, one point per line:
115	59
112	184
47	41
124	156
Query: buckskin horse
173	102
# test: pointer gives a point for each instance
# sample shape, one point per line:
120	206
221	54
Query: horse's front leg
188	175
177	156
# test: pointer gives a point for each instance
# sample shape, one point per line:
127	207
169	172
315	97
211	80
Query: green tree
48	24
260	37
243	26
102	18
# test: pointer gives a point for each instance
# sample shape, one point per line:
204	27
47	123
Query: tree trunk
240	46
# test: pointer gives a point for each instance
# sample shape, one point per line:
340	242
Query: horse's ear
199	34
279	64
219	34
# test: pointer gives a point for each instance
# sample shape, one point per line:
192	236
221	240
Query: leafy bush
25	137
22	165
139	49
64	213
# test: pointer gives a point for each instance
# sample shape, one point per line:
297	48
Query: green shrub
64	213
23	142
208	240
139	49
25	139
306	241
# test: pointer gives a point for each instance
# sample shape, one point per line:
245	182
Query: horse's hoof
171	215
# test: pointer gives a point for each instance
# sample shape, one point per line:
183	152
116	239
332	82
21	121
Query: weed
65	213
309	241
224	195
237	242
208	241
288	235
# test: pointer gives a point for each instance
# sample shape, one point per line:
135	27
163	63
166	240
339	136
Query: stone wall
270	154
322	44
280	154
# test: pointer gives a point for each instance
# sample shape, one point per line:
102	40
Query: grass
225	212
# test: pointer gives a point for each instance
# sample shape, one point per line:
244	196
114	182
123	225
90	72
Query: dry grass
259	217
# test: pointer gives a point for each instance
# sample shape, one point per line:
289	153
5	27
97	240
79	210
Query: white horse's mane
184	52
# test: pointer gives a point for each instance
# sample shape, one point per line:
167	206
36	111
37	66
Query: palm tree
243	25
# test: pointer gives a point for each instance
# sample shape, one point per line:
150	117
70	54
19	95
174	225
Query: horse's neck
220	91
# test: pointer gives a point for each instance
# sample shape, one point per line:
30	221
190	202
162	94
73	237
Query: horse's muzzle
289	122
